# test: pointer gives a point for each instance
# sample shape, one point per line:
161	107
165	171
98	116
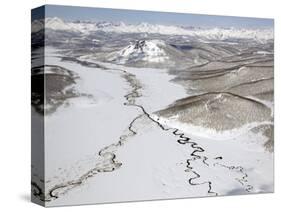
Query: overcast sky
136	16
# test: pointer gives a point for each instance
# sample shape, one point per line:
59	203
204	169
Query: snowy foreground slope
119	126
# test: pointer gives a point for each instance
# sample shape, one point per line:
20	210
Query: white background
15	103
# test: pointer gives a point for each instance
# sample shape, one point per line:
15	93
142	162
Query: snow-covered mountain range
87	27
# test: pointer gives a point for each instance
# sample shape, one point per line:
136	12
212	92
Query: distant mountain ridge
86	27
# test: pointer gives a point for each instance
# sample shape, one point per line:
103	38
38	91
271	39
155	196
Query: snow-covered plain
149	163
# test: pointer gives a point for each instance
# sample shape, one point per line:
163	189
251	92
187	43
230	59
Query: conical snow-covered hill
141	50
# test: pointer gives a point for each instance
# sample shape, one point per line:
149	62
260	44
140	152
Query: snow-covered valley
96	147
146	112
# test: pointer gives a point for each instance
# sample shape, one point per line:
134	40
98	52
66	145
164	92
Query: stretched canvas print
137	105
